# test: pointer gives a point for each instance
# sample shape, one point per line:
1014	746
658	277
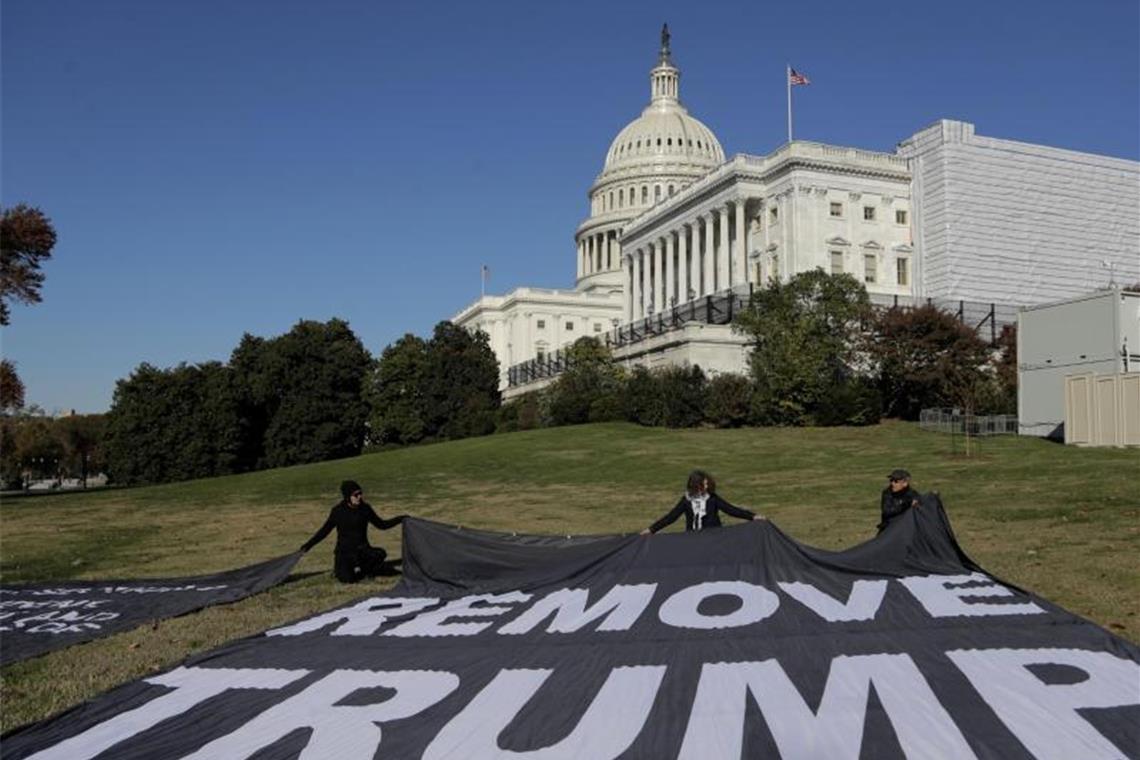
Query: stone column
658	280
709	253
615	244
682	265
670	271
739	258
636	303
627	290
722	252
581	259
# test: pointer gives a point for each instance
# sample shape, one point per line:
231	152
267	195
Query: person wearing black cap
354	557
897	497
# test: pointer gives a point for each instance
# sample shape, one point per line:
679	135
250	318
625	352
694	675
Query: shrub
729	400
682	393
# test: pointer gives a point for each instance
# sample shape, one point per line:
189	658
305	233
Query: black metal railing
721	308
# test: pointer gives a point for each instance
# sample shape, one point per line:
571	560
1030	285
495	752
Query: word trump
1044	717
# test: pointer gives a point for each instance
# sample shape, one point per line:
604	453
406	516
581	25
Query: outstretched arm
735	511
320	535
669	518
380	522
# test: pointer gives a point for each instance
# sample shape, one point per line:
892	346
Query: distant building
1097	334
676	235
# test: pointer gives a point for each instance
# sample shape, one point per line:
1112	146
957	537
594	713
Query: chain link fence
957	422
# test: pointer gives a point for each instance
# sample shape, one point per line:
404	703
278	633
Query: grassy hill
1063	522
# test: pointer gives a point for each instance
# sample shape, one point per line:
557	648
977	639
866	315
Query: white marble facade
949	215
758	218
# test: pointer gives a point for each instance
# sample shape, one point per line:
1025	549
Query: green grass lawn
1060	521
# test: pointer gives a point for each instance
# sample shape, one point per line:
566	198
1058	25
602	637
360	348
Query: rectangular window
539	355
868	213
904	274
597	327
569	327
870	265
900	216
837	209
837	262
541	324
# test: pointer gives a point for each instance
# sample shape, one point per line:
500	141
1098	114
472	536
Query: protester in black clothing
701	506
897	497
354	557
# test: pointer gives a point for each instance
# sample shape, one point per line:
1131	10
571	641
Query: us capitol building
677	235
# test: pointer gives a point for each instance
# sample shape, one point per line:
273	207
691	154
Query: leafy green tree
303	393
174	424
26	240
589	390
11	471
396	393
926	358
83	437
729	400
11	388
461	383
1005	371
806	337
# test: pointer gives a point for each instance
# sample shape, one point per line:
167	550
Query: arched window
670	189
621	198
656	193
645	193
611	200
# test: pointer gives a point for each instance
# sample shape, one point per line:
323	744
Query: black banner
732	643
43	617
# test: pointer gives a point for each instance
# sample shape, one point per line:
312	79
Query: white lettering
1044	716
943	600
361	619
192	686
608	727
835	730
435	623
345	732
862	604
680	610
623	603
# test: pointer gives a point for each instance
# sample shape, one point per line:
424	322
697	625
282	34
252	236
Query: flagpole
788	83
482	281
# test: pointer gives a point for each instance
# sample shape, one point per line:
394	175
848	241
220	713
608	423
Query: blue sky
214	168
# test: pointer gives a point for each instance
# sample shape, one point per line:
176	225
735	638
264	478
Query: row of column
668	271
598	253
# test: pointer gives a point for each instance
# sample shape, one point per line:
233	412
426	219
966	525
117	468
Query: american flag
795	77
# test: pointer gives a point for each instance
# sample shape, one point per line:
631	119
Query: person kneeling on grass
701	506
354	558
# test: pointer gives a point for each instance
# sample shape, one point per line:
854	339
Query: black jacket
893	505
351	525
713	507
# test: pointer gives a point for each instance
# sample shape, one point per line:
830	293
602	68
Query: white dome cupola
653	157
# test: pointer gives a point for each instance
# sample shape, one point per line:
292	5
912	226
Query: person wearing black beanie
354	558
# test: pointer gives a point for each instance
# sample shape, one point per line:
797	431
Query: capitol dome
655	156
